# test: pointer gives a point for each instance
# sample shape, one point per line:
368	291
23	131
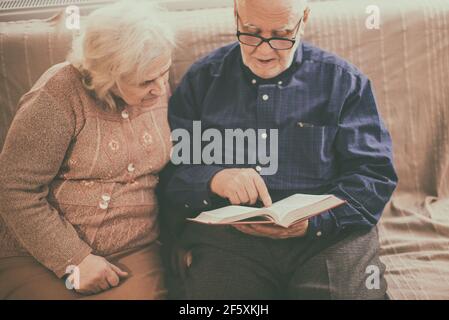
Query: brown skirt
23	278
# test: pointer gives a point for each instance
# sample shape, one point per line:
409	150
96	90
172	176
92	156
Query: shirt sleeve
35	147
366	177
187	185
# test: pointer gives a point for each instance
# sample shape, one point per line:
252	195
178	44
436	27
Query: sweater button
131	167
125	114
104	205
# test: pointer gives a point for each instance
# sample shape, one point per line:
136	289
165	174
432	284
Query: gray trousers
228	264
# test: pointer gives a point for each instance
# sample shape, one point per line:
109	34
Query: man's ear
306	14
235	11
304	21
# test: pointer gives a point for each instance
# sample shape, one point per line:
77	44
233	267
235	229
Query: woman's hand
97	274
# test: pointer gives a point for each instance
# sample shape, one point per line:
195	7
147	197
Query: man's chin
266	73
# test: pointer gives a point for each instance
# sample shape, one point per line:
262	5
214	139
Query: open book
286	212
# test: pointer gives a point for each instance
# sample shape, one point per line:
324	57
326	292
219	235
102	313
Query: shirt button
253	81
205	202
258	168
264	135
186	205
106	197
125	114
280	83
265	97
131	167
104	205
318	234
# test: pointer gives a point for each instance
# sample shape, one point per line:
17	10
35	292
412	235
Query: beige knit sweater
75	178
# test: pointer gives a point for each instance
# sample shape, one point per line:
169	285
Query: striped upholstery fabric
407	60
27	49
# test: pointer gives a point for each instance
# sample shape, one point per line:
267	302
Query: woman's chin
150	102
147	102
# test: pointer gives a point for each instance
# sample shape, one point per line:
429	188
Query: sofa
407	59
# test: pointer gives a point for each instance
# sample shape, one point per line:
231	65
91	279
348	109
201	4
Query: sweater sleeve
34	150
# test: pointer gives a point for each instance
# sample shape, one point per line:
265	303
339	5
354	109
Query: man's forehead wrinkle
287	26
257	19
272	7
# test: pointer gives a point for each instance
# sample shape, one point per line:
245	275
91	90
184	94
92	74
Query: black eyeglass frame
267	40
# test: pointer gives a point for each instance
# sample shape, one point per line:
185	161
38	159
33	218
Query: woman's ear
115	89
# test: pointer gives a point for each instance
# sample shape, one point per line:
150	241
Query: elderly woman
80	166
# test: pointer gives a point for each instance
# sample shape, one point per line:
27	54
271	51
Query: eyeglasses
276	43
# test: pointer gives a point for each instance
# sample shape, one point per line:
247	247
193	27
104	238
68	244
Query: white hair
120	40
299	5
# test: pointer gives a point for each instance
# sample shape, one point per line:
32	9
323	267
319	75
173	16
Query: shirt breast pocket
310	151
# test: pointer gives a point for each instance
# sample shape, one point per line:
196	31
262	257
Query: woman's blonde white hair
117	41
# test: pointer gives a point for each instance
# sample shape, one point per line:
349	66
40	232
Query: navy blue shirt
331	139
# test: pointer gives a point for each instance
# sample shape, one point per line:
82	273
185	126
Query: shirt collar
284	77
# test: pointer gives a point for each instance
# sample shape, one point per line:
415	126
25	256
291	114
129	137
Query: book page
283	212
294	202
225	214
312	210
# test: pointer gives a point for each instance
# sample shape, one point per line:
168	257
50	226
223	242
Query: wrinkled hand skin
96	274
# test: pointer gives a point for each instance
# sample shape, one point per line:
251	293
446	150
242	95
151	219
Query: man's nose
158	87
265	49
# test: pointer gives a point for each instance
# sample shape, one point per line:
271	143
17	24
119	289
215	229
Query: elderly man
331	141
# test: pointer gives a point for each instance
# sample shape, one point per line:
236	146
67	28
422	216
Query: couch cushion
27	49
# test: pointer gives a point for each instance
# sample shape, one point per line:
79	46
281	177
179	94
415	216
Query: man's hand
298	229
97	274
240	186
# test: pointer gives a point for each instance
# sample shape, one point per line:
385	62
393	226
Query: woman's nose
158	88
